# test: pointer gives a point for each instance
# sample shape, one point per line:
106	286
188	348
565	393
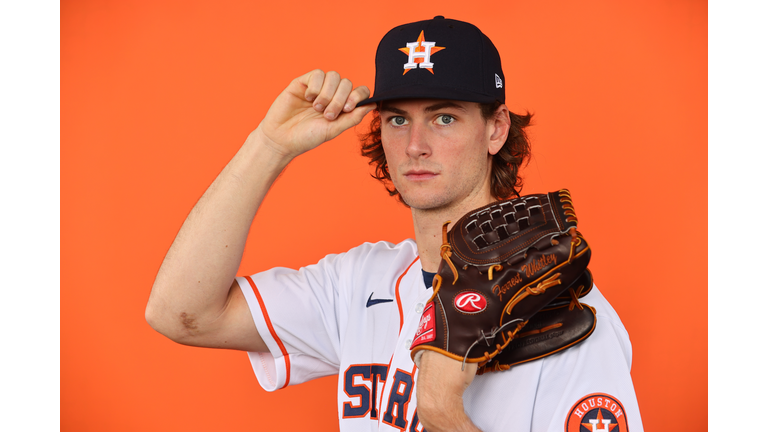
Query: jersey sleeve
590	383
296	313
566	391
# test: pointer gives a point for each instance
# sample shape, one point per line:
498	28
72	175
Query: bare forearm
193	299
440	389
195	276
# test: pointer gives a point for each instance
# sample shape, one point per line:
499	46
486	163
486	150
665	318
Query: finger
339	99
359	94
314	82
330	84
348	120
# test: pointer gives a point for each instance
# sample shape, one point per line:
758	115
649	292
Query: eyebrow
434	107
440	105
391	109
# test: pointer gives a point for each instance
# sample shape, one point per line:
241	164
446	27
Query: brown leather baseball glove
500	265
561	324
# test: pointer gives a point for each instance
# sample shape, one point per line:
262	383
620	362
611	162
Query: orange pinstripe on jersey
397	294
400	310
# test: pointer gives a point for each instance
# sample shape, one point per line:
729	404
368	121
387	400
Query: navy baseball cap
438	59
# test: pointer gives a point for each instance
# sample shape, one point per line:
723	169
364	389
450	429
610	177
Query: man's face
438	152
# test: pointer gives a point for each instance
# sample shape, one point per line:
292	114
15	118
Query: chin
425	202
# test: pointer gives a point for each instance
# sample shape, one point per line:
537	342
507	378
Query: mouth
420	175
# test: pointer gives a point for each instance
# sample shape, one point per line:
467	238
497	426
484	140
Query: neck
428	229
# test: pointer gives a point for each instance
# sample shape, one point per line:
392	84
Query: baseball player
445	143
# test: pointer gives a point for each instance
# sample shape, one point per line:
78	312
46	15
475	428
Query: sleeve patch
596	412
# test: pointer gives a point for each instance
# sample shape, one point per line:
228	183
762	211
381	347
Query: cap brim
424	92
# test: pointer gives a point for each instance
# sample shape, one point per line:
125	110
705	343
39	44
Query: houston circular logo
470	302
596	412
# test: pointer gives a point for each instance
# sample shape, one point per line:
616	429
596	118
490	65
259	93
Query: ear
498	129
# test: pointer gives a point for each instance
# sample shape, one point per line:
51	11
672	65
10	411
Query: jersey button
419	308
408	343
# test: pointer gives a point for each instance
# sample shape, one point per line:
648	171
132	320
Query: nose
417	142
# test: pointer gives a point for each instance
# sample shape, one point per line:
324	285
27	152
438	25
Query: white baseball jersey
355	314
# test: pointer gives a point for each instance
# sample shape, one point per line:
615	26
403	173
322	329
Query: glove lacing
445	254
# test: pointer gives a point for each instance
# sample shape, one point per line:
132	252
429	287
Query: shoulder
357	265
596	299
609	335
365	258
608	320
384	247
381	252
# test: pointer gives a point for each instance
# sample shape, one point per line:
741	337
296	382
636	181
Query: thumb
352	118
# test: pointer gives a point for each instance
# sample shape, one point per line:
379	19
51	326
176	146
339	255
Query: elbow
161	321
152	317
156	320
180	327
162	313
156	311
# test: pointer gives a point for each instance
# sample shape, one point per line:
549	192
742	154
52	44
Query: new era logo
498	81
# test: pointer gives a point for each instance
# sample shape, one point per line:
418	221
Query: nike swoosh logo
372	301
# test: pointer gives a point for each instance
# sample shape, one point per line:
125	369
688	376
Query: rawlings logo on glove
470	302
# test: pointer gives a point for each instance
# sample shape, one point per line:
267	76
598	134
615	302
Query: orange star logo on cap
419	54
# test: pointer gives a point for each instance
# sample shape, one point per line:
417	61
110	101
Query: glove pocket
549	331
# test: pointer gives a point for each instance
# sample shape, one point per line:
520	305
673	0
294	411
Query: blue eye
444	119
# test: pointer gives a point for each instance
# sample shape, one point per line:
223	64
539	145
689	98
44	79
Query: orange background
157	96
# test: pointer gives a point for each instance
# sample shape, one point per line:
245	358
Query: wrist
439	393
260	143
261	154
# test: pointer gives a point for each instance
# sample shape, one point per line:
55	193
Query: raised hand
316	107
